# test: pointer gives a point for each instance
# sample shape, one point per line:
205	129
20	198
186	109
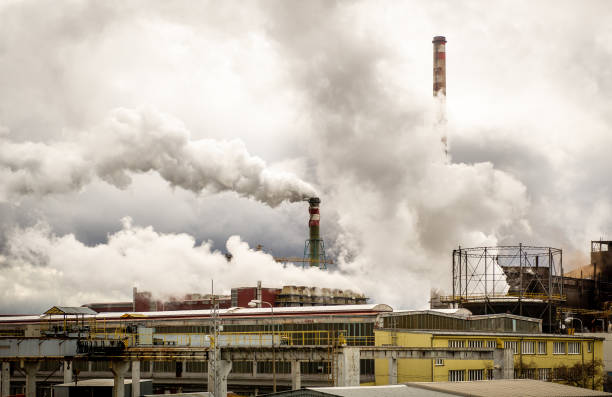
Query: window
528	347
476	374
282	367
197	366
48	365
242	367
559	348
491	344
100	366
489	374
573	348
541	347
526	373
559	373
476	343
439	362
457	375
164	366
456	343
590	347
84	365
513	345
544	374
366	367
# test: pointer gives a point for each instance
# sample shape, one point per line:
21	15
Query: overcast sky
140	140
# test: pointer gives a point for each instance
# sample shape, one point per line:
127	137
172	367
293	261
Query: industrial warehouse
503	318
256	350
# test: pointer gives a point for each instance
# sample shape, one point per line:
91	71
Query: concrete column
393	369
254	368
68	371
135	378
119	368
31	368
503	364
296	375
211	378
348	367
5	382
218	386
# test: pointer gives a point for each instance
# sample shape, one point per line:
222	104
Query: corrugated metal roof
508	388
71	310
379	391
259	310
374	308
476	334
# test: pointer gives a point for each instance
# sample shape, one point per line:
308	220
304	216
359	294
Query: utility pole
215	345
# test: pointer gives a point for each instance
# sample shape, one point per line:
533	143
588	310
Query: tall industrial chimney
313	225
439	65
314	248
439	85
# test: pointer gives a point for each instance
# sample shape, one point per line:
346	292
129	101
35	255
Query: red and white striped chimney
439	65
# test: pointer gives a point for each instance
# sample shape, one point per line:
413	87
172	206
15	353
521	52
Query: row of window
527	347
306	367
543	373
491	344
458	375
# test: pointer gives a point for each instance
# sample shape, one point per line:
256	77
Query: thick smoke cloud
39	267
140	142
401	204
337	92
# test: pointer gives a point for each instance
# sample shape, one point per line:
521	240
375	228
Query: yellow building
536	355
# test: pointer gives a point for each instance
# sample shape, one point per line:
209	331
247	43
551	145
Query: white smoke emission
401	204
140	141
338	92
40	268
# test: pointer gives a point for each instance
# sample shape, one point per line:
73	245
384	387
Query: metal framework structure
507	278
314	253
322	263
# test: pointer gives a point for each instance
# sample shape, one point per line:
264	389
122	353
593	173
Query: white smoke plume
402	205
140	141
343	89
41	268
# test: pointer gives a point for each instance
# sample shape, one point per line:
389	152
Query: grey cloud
346	88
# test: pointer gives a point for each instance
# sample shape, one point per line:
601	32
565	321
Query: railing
242	339
494	297
11	333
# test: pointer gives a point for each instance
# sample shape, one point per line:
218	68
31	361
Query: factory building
287	296
536	355
322	325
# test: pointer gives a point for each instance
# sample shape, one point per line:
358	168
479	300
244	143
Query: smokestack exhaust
314	248
439	65
313	225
